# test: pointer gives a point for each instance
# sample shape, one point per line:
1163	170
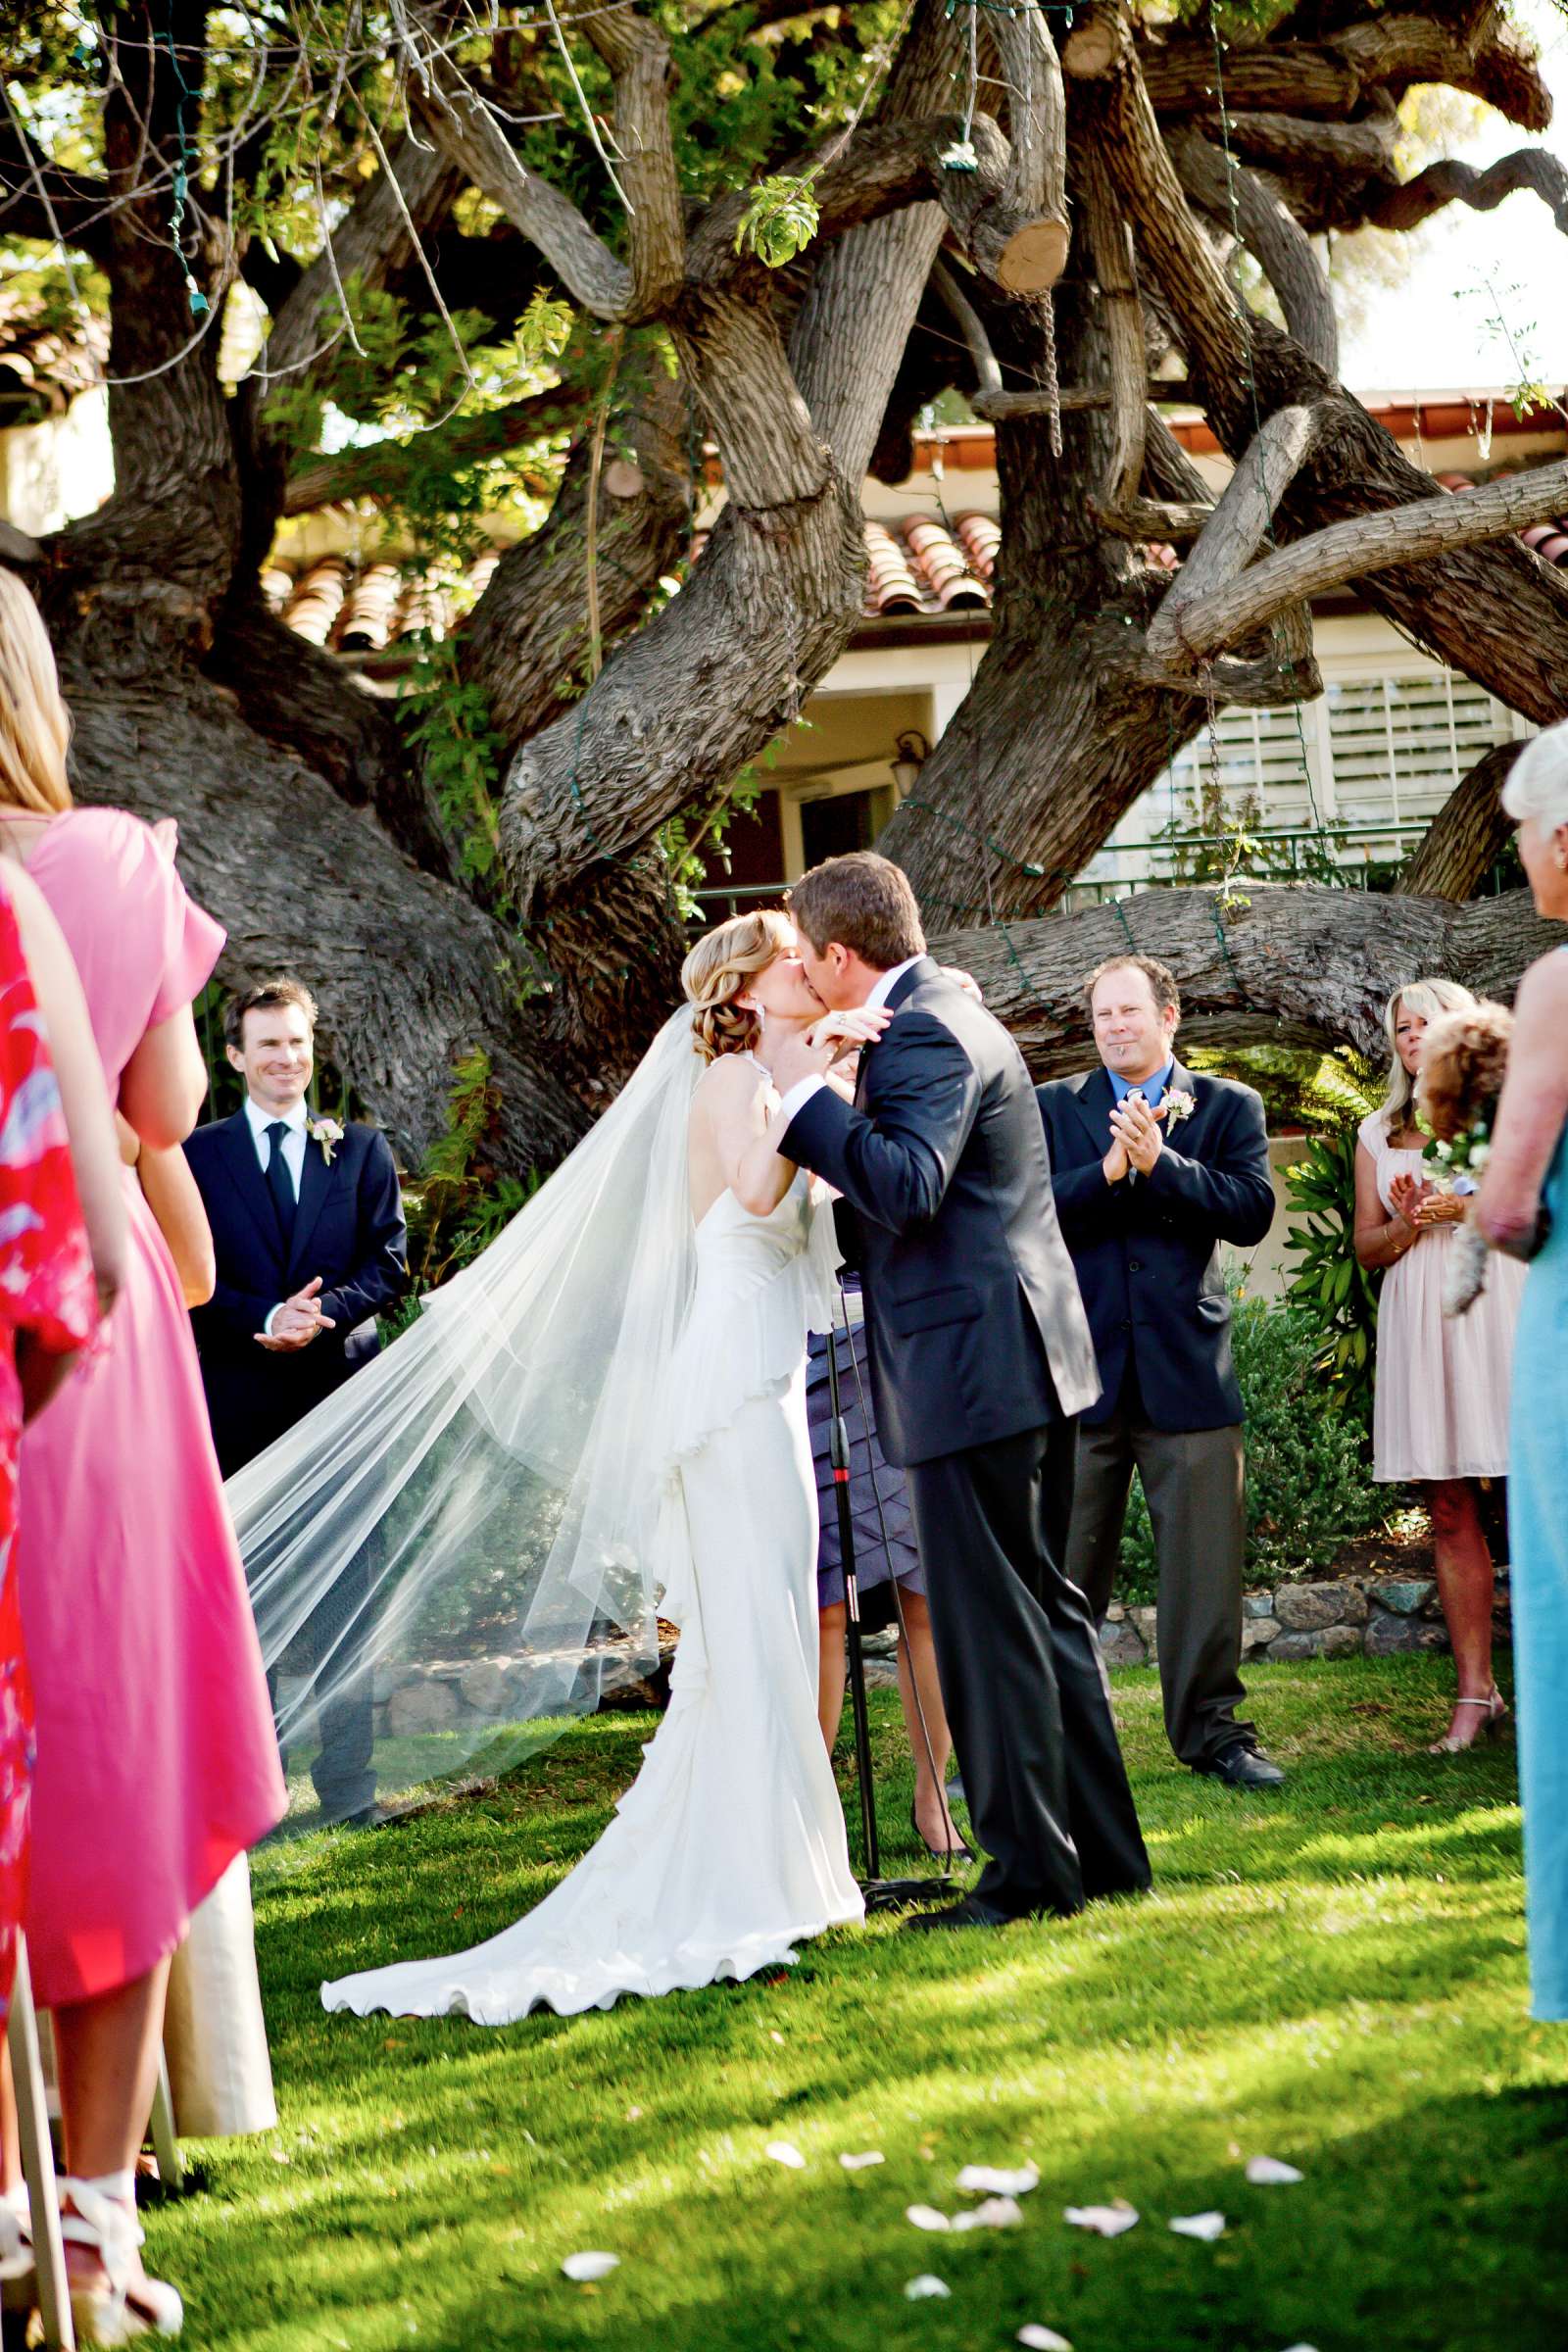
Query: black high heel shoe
957	1859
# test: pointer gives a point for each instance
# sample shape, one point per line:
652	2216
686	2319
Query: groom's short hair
864	902
266	997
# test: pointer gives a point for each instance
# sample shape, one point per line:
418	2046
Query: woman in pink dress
157	1763
1440	1414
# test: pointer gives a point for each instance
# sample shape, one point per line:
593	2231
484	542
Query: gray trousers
1192	1481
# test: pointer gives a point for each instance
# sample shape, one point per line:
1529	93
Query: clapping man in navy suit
1152	1170
309	1233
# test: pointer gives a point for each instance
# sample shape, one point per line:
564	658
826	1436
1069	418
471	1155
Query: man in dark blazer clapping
1152	1168
309	1235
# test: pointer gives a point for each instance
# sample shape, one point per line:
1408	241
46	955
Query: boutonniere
325	1132
1176	1105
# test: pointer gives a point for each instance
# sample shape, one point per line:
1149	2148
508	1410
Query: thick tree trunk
1290	966
408	972
1055	738
1466	836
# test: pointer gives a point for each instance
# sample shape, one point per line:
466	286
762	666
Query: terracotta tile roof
43	365
917	567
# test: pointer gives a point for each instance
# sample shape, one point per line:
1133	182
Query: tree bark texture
1292	965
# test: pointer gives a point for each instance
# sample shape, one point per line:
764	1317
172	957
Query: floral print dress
47	1294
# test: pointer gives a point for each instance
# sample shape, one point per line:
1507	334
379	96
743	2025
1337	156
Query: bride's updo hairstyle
717	970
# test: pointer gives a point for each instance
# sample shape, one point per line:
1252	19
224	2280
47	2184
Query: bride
730	1844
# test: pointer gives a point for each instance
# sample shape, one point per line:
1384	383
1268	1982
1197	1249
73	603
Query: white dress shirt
803	1089
293	1143
293	1149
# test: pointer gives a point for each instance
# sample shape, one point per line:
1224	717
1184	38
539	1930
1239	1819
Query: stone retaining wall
1375	1617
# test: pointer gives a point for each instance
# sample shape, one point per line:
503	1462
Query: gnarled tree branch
1405	207
1272	235
1101	59
1218	615
1296	966
1467	836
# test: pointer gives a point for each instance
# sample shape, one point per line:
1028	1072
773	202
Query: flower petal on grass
1267	2172
922	2289
989	2180
926	2216
996	2213
857	2164
784	2151
1106	2221
585	2267
1042	2339
1198	2224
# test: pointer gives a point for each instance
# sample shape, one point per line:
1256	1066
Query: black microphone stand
881	1894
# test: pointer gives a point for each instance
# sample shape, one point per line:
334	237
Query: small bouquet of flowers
1464	1061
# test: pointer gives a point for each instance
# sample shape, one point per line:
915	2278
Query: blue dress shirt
1151	1089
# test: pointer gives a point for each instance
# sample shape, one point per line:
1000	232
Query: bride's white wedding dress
729	1846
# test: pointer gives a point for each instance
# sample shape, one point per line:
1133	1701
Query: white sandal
125	2303
18	2273
1496	1708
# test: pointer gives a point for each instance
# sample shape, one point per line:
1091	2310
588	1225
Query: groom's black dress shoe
970	1913
1243	1767
369	1817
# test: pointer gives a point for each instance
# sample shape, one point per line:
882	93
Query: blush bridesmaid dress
157	1763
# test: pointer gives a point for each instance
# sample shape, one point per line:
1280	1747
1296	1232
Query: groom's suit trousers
1022	1679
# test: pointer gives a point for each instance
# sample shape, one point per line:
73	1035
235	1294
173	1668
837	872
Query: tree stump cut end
1034	256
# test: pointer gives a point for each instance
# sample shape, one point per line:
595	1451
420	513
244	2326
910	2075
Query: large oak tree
549	255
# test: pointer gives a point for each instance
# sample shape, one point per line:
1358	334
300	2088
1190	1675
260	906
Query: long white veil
464	1545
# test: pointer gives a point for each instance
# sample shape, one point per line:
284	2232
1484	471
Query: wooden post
38	2161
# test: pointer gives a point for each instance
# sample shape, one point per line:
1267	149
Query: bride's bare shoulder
730	1075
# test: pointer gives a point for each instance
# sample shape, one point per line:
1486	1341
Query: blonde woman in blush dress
1440	1417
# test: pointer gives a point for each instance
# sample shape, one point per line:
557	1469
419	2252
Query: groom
981	1359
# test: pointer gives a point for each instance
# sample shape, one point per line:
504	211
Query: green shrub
1337	1296
1309	1489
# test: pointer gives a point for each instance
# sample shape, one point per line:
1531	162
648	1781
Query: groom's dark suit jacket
975	1327
348	1229
1147	1252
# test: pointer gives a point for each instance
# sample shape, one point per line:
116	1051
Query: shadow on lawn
1426	2234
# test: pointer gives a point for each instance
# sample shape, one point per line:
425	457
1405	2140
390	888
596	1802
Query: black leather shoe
1243	1767
970	1913
369	1816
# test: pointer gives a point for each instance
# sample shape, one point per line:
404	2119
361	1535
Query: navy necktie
277	1181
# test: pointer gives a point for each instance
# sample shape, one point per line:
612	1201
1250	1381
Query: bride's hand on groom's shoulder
839	1034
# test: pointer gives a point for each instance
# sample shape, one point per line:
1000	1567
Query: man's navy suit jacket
348	1229
1147	1253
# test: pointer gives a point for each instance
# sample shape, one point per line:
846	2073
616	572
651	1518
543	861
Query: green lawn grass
1334	1976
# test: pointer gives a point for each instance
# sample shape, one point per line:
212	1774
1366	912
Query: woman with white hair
1440	1414
1523	1210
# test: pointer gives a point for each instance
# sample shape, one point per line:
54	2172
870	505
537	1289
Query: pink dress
1440	1405
155	1760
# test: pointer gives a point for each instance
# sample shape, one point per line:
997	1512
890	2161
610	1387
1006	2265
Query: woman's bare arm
735	1106
172	1194
89	1119
1379	1239
164	1084
1531	1114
